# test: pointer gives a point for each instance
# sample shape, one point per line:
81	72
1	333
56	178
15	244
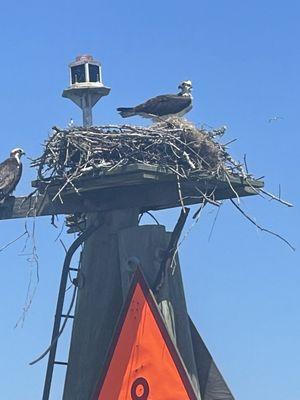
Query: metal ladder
57	329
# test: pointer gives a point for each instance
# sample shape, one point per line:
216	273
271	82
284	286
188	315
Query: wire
151	215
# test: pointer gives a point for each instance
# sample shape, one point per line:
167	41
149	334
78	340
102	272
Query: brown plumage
163	106
10	173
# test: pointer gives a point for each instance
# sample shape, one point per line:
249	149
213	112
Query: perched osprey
163	106
10	173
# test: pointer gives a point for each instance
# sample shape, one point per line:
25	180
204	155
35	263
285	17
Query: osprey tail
126	111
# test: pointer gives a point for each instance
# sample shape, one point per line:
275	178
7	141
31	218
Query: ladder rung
67	316
60	363
73	269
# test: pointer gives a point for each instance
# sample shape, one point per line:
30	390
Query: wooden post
107	266
99	301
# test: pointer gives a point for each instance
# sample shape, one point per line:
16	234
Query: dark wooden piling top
139	186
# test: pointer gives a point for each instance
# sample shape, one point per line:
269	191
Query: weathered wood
212	383
107	266
98	304
36	206
136	174
142	187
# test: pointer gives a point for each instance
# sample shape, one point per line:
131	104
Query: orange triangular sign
143	363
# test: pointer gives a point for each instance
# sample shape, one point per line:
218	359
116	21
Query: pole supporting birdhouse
86	87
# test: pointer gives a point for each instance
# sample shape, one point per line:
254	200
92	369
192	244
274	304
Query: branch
214	222
260	227
13	241
259	191
273	197
33	260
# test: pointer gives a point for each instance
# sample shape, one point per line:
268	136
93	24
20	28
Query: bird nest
174	145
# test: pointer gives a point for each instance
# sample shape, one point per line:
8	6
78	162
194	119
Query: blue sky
242	286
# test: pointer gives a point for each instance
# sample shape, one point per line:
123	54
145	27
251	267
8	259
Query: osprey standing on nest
163	106
10	173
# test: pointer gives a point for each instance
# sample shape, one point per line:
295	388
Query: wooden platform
136	186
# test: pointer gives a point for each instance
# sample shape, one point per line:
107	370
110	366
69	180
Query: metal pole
87	110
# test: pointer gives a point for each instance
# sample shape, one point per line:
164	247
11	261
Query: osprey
10	173
163	106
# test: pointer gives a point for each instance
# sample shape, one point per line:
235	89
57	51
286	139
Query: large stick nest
175	145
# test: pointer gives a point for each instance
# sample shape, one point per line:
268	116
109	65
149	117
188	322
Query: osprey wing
10	174
164	105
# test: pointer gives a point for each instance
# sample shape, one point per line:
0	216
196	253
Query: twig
179	190
28	302
260	227
63	245
259	191
231	187
60	232
13	241
214	222
33	259
196	218
245	163
209	198
273	197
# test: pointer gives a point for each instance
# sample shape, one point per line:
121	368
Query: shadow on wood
141	186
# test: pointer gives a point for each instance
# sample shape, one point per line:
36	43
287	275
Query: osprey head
186	86
17	153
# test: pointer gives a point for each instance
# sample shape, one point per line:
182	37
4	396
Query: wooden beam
36	206
142	187
134	175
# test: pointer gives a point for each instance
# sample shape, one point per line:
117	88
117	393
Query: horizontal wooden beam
145	187
137	174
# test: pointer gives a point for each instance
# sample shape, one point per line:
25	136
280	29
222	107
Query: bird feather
10	174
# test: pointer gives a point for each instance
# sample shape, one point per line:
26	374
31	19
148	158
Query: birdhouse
86	86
